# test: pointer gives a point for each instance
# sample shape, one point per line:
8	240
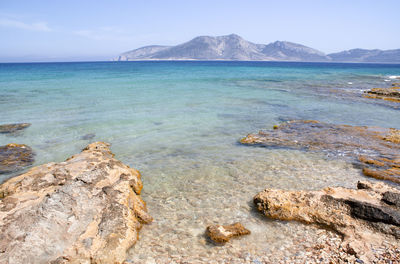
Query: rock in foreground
376	149
222	234
84	210
365	217
11	128
14	157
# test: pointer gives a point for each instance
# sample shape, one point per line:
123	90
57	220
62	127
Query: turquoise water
179	123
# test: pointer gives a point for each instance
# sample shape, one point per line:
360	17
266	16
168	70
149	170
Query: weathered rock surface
14	157
388	94
364	216
84	210
223	233
11	128
376	149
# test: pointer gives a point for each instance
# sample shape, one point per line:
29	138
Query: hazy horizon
101	30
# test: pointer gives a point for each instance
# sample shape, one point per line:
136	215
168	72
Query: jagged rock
10	128
359	215
84	210
14	157
223	233
376	149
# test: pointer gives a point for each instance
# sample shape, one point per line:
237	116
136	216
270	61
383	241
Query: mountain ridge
234	48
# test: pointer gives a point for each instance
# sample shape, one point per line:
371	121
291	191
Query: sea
179	123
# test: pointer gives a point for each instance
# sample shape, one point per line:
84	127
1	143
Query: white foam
394	77
349	83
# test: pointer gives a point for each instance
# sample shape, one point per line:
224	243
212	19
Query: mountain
141	53
364	55
233	47
230	47
288	51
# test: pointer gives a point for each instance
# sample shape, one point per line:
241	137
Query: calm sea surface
179	124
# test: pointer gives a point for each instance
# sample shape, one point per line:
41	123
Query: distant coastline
235	48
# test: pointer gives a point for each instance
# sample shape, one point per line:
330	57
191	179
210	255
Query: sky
79	30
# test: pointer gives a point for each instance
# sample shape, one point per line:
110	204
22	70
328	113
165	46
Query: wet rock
391	198
388	94
376	149
11	128
222	234
359	215
14	157
84	210
88	136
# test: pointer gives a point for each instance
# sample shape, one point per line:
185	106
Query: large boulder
365	217
84	210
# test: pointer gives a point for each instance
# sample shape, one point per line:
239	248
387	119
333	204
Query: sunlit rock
223	233
84	210
365	217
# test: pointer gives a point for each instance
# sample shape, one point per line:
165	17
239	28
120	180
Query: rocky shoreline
88	209
84	210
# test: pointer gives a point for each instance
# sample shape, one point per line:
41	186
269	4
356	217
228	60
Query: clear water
179	123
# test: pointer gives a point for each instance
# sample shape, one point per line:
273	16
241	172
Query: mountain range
235	48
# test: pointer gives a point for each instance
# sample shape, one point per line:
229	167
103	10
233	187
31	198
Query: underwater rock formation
223	233
14	157
376	149
365	217
11	128
84	210
388	94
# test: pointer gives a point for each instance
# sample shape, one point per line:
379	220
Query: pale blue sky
100	30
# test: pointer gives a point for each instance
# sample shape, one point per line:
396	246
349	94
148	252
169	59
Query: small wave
394	77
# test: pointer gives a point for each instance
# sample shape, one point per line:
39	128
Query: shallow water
179	124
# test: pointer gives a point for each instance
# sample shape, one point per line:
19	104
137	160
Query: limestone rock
10	128
388	94
362	216
223	233
376	149
14	157
84	210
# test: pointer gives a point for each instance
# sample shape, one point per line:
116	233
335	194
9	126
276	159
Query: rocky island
234	48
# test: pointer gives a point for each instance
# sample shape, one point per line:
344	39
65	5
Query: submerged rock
388	94
376	149
11	128
84	210
223	233
362	216
88	136
14	157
